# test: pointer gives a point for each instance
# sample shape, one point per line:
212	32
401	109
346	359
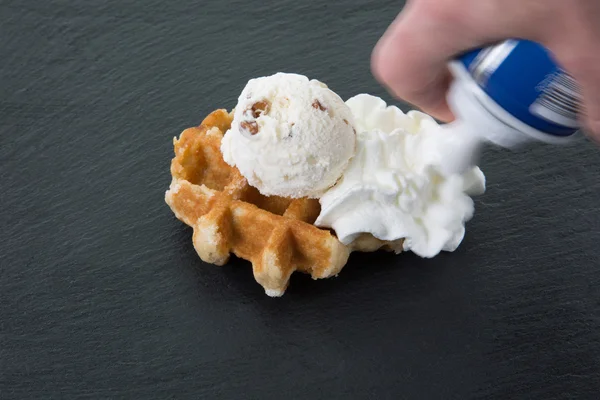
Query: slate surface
103	296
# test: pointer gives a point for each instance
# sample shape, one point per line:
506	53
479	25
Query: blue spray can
510	94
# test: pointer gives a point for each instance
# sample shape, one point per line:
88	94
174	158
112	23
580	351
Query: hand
411	58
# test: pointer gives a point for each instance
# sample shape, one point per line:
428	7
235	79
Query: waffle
229	216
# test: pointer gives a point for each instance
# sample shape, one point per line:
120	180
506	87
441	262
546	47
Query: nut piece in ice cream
290	136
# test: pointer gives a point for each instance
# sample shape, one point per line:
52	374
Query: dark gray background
103	296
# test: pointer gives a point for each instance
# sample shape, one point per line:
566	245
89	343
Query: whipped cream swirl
394	189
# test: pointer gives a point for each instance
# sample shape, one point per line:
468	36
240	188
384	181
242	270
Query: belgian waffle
229	216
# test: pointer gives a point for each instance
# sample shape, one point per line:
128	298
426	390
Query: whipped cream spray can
510	94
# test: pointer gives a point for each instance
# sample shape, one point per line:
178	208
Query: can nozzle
462	147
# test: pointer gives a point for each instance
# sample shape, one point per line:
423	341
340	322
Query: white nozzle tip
462	148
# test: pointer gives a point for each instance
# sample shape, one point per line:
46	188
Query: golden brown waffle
229	216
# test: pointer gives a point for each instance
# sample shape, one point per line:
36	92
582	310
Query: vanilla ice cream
393	188
290	136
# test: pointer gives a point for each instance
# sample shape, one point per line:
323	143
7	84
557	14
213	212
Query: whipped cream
394	187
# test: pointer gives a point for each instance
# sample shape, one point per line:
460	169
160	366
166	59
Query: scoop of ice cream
393	187
290	136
